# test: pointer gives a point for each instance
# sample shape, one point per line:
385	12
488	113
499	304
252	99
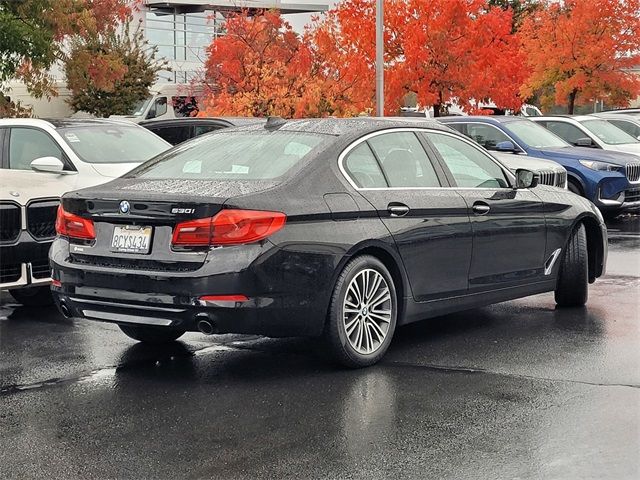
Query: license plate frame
133	239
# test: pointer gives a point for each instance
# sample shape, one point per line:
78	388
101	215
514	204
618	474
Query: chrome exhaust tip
205	325
65	310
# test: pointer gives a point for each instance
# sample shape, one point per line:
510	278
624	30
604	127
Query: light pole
379	59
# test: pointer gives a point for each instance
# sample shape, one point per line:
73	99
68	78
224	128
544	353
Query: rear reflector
229	227
74	226
224	298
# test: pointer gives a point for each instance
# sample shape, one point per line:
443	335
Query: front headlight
600	166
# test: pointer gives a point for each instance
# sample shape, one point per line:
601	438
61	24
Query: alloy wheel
366	311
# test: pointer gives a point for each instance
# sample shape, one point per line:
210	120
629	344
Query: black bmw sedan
341	229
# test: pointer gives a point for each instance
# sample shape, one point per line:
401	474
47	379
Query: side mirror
584	142
48	164
506	146
526	178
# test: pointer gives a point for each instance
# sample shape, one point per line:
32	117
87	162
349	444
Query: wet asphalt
515	390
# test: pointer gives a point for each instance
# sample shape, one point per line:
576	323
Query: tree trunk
436	110
572	100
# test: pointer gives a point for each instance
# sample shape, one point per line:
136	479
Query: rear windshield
113	143
240	155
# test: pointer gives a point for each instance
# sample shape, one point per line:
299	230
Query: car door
25	144
509	230
429	223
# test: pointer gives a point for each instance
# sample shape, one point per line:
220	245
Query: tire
574	187
156	335
364	342
33	296
572	288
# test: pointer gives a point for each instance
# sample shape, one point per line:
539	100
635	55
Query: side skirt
415	311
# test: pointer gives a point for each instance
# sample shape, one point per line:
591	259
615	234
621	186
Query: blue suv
611	180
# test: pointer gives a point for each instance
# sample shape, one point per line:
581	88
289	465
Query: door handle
481	208
397	209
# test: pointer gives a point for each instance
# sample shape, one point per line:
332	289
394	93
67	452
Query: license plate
131	239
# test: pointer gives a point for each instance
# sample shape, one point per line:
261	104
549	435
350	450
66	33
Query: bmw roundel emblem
124	206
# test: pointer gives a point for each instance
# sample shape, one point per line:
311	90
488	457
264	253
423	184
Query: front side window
246	155
113	143
27	144
403	160
469	166
607	133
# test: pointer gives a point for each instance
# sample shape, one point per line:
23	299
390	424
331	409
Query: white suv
42	159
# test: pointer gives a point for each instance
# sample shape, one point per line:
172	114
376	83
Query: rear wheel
572	288
33	296
147	334
363	313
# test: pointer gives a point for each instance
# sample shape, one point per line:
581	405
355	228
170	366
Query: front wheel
363	313
572	288
33	296
146	334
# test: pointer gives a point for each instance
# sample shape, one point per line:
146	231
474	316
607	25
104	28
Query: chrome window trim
459	136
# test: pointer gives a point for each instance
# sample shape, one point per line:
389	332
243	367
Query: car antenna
274	123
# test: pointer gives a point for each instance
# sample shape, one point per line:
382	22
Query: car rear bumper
274	306
25	263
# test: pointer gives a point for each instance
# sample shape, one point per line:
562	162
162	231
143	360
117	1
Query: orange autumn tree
442	50
580	51
460	51
258	68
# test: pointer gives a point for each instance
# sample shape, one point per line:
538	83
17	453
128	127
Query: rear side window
247	155
486	135
403	160
174	134
202	129
566	131
363	168
629	127
468	165
27	144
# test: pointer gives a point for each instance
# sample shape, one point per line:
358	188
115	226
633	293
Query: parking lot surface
515	390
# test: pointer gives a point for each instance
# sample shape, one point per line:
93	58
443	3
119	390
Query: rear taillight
229	227
74	226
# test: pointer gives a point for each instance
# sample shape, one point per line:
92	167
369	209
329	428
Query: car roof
616	116
230	121
494	119
575	118
64	122
623	110
344	126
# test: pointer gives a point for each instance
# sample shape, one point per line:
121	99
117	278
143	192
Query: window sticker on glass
72	137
